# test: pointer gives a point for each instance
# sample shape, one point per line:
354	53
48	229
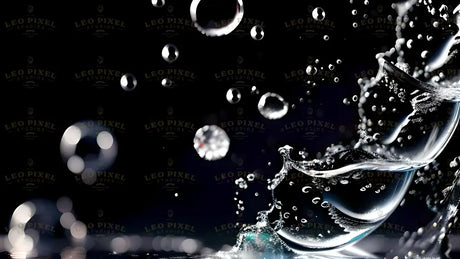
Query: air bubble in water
311	70
339	61
166	82
250	177
336	79
211	142
318	14
233	95
354	12
272	106
216	18
88	147
326	37
257	32
170	53
355	25
128	82
158	3
331	67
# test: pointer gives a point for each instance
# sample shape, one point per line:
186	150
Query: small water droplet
303	221
233	95
424	54
354	12
344	181
336	79
325	204
166	82
318	14
346	101
355	25
294	208
254	90
331	67
355	98
158	3
257	32
315	200
128	82
272	106
339	61
326	37
306	189
366	2
170	53
286	215
211	142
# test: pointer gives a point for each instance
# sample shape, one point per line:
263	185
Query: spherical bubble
233	95
128	82
326	37
272	106
318	14
216	18
311	70
87	146
211	142
166	82
170	53
257	32
158	3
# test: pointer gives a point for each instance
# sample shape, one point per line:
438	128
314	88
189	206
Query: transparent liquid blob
170	53
233	95
216	18
128	82
318	14
257	32
167	83
405	123
272	106
158	3
211	142
86	148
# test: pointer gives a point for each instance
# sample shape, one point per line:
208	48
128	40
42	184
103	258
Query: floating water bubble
338	61
87	146
346	101
216	18
257	32
128	82
272	106
167	83
326	37
170	53
331	67
233	95
158	3
355	25
254	90
318	14
311	70
354	12
211	142
336	79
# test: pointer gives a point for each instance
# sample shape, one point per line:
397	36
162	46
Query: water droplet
355	25
286	215
216	18
331	67
303	221
311	70
291	183
254	90
354	12
211	142
158	3
339	61
366	2
256	194
325	204
336	79
344	181
363	189
326	37
257	32
424	54
233	95
170	53
294	208
315	200
346	101
318	14
128	82
87	147
272	106
306	189
166	82
355	98
251	177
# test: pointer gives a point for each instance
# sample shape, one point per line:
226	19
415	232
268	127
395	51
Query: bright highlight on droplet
211	142
104	140
76	164
257	32
272	106
318	14
128	82
216	18
78	230
158	3
233	95
170	53
72	135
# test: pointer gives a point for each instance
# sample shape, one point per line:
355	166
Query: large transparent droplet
87	147
233	95
211	142
257	32
216	17
170	53
128	82
318	14
272	106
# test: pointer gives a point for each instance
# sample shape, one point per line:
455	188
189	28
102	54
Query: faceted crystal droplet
211	142
170	53
128	82
233	95
257	32
272	106
216	18
318	14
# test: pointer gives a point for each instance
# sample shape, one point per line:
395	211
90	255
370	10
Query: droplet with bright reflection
128	82
167	83
216	18
88	147
211	142
233	95
170	53
257	32
272	106
158	3
318	14
78	230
